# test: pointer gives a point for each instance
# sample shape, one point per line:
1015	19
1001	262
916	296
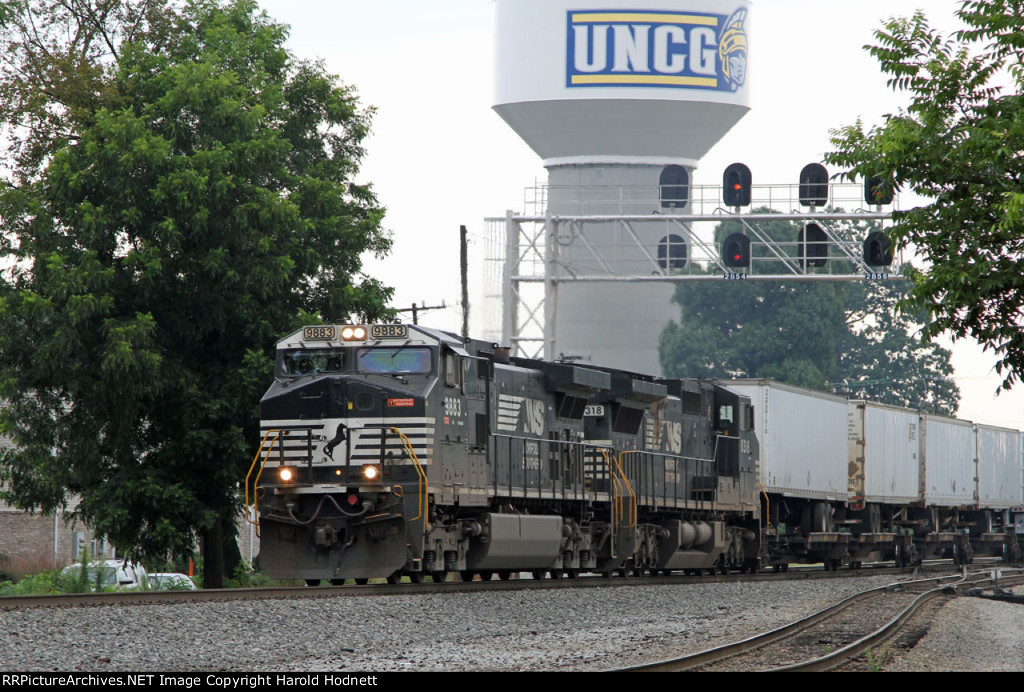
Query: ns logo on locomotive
393	450
656	49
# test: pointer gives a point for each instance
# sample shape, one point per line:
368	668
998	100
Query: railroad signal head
877	250
736	251
814	185
675	186
813	246
878	190
736	184
672	252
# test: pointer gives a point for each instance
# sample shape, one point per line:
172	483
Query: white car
106	574
170	581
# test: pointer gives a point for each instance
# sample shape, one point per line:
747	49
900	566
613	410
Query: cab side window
452	369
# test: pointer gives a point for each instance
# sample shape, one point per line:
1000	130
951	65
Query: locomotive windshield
396	361
310	362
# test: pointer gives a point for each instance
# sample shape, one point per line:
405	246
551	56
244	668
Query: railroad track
142	597
853	632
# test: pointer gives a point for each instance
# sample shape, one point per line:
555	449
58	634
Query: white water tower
621	99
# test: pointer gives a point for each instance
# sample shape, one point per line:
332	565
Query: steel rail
833	659
720	653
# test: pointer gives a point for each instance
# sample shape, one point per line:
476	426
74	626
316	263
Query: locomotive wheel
572	573
416	577
537	574
395	578
504	575
556	574
467	575
486	576
438	577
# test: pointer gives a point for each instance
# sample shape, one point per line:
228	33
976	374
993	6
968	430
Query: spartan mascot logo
732	50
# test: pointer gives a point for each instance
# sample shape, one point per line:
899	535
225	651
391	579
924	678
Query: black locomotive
394	450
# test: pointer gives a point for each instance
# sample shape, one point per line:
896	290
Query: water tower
621	99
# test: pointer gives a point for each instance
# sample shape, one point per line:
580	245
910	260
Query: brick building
31	542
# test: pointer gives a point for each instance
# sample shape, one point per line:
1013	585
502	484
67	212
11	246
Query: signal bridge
532	257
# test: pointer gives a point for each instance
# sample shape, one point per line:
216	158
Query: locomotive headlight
287	475
371	473
353	333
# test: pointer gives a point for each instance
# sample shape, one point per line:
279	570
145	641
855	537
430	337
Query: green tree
822	335
181	194
959	144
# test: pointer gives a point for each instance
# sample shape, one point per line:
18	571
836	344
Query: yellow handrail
421	485
255	498
616	492
629	486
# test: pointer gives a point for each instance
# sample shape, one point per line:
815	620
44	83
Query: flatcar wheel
337	582
666	573
395	578
556	574
537	574
416	577
467	575
312	582
606	575
486	576
572	573
362	581
504	575
438	577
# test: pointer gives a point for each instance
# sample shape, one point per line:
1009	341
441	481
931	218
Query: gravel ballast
536	630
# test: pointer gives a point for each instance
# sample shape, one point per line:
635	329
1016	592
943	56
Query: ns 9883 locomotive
394	450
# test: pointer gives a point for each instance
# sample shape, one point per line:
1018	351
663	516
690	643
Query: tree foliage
960	144
823	335
181	194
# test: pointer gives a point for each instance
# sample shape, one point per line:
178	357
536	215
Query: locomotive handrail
422	485
616	494
629	486
255	498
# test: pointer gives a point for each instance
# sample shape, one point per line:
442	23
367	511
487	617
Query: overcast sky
440	157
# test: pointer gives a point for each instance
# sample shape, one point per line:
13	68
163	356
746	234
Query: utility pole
464	270
415	310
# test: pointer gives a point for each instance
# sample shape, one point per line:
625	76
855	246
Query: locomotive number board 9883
321	333
389	331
